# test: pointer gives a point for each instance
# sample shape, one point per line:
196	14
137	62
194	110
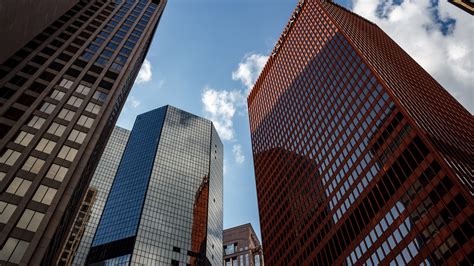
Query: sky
206	55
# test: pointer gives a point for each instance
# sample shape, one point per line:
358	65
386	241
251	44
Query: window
33	165
121	59
100	96
87	55
13	250
77	136
93	47
56	172
24	138
44	194
18	186
45	145
116	67
47	108
106	53
93	108
65	83
231	248
36	122
9	157
125	51
85	121
83	89
30	220
56	129
57	95
66	114
67	153
74	101
112	46
6	211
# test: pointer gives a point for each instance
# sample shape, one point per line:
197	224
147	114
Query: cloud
144	75
249	69
238	155
436	34
220	107
134	102
160	84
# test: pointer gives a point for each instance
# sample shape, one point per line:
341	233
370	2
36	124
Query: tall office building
165	205
360	155
242	247
80	237
60	96
466	5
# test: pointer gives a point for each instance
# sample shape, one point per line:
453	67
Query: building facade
80	237
242	247
466	5
360	156
60	96
22	20
171	196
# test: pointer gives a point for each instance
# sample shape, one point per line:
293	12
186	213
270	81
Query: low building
242	247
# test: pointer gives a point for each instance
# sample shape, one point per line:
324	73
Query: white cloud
220	107
144	75
238	155
160	84
416	26
134	102
249	69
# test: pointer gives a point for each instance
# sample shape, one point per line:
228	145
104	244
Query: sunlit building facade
165	205
60	96
360	156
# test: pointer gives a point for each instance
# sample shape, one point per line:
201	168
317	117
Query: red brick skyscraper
360	155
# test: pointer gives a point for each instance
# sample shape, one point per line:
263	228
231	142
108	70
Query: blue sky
207	53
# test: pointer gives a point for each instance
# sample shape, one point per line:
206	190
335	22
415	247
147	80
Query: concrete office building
60	96
165	205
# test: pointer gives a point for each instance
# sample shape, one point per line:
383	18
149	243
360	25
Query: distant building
80	237
165	205
242	247
466	5
360	156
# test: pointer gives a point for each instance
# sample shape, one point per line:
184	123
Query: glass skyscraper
361	157
60	96
80	238
165	205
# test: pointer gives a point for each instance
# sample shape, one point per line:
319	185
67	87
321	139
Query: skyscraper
80	237
60	96
242	247
165	205
360	155
466	5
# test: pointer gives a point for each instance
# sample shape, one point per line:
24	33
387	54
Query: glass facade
130	184
344	172
101	183
172	196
